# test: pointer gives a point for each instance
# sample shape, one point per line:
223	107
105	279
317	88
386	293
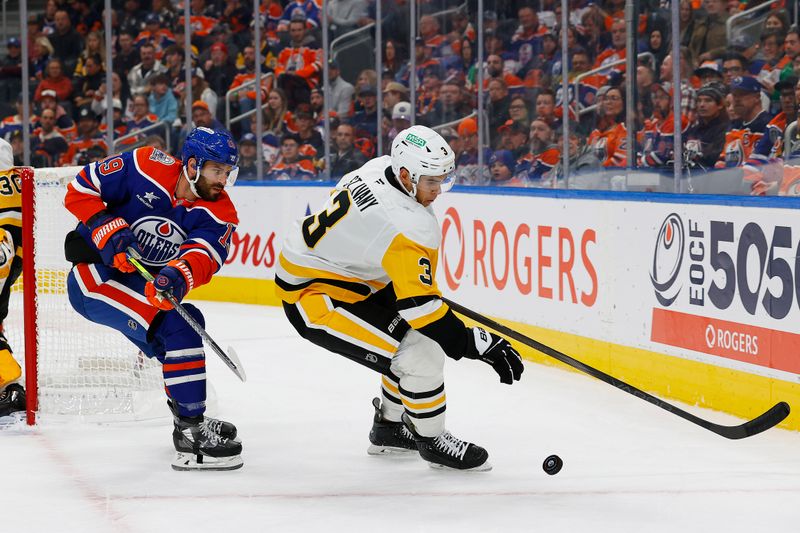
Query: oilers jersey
740	140
140	186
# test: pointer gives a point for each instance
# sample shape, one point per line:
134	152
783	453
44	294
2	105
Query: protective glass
232	175
448	182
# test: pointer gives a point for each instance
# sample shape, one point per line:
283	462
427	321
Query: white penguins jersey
369	233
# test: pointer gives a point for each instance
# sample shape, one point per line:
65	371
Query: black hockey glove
497	352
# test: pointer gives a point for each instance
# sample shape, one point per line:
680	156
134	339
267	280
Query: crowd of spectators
737	94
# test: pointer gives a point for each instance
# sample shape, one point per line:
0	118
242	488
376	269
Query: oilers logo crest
159	238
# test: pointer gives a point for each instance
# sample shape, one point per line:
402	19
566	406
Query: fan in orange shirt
609	144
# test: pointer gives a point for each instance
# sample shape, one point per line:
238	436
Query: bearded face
212	180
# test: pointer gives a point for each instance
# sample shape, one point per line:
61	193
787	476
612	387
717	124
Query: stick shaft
761	423
236	367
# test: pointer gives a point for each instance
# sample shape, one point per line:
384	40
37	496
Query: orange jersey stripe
174	367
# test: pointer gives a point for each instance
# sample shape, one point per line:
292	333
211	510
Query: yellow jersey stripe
430	318
425	405
337	293
8	221
389	386
313	273
319	312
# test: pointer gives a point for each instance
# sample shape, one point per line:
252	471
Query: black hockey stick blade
763	422
230	358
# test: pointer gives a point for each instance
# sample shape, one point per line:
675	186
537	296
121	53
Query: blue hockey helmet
204	144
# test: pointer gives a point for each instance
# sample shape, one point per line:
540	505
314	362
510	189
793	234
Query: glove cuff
185	271
102	233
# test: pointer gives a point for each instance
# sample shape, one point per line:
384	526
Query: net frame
30	313
105	378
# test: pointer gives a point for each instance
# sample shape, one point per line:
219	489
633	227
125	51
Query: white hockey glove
496	352
7	249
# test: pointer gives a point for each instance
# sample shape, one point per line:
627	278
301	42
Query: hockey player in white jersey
359	279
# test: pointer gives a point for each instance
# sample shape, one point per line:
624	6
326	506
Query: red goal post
73	367
29	293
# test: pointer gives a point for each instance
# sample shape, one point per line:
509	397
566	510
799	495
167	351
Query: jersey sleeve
765	146
208	240
99	185
544	164
412	269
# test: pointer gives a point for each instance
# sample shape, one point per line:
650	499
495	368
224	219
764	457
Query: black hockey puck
552	465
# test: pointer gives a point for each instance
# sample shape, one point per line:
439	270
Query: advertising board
718	284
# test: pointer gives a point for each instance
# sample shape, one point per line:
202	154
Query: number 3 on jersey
425	277
316	226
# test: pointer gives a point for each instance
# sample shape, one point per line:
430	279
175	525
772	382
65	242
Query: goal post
73	367
28	184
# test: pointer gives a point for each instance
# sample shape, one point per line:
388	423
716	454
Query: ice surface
304	415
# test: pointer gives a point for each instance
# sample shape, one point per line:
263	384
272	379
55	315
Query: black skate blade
390	450
184	462
485	467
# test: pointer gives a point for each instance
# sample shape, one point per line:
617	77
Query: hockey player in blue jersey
178	217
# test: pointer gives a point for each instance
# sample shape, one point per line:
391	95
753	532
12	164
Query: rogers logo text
667	260
545	261
453	278
731	340
159	239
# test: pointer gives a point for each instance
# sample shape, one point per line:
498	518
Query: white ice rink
303	417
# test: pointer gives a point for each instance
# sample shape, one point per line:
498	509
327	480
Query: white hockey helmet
423	152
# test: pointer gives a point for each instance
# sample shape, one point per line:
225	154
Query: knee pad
173	327
196	314
418	355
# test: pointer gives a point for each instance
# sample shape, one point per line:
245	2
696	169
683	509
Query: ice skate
388	437
448	451
222	428
12	400
199	447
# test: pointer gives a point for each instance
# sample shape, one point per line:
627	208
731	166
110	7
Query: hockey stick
752	427
230	359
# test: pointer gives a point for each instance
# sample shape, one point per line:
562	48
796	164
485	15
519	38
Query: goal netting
81	368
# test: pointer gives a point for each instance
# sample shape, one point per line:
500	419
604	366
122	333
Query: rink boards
693	298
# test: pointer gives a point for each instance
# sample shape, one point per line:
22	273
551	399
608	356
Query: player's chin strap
192	183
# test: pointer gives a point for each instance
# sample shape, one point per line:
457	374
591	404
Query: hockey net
73	367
